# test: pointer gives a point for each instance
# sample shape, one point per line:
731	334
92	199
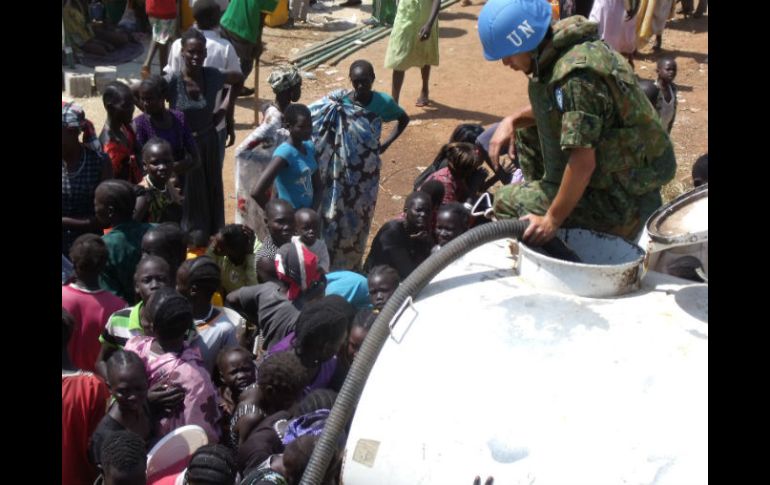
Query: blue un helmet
508	27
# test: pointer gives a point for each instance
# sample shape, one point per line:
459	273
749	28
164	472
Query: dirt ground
464	88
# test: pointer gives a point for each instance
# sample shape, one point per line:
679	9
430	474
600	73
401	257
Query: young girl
452	220
152	273
459	176
170	360
158	121
233	250
157	200
238	376
118	138
256	151
321	328
197	280
308	227
383	281
86	301
130	410
293	168
405	244
162	15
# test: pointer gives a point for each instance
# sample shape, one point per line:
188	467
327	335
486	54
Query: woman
346	130
194	92
413	43
83	168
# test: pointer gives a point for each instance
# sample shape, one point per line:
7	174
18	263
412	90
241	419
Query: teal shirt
383	105
243	18
124	250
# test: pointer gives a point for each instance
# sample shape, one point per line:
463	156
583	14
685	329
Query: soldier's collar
543	60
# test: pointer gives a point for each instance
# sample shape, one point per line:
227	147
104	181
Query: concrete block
78	85
103	75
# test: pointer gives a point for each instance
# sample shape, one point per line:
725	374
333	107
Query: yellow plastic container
279	16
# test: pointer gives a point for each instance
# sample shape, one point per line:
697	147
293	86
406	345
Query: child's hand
166	396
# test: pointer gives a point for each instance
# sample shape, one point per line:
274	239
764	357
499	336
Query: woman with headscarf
83	167
256	151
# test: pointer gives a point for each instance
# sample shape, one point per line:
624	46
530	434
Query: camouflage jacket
584	94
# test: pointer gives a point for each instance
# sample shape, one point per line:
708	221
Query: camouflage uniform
584	94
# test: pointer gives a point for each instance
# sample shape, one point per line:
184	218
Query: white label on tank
366	452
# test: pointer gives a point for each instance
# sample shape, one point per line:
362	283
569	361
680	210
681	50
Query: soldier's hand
541	229
504	134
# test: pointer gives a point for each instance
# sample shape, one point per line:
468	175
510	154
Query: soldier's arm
586	106
505	133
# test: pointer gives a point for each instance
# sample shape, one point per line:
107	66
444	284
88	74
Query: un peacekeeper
591	146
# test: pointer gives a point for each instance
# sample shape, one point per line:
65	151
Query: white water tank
489	373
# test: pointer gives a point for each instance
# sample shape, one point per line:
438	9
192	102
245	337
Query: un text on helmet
525	29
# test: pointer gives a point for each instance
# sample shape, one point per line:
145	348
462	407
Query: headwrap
311	423
298	266
73	116
283	78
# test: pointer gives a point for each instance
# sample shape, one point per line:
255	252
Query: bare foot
422	101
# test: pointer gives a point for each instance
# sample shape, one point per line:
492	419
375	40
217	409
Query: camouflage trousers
613	211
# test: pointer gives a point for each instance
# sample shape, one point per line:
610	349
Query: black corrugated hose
348	397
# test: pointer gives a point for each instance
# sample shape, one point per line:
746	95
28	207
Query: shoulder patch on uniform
559	95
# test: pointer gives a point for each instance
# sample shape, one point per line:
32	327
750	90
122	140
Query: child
413	42
129	410
666	101
124	459
280	225
308	226
321	328
287	87
383	281
164	123
280	381
238	375
404	244
452	220
274	306
211	463
700	171
162	15
151	274
461	177
118	138
232	249
197	280
158	200
114	202
357	332
168	241
90	305
171	361
83	401
293	168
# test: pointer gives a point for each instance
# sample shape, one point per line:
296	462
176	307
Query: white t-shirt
220	53
215	334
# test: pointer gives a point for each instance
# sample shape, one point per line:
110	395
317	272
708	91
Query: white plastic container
490	374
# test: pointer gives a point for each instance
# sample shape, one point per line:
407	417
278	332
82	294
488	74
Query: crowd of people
171	317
